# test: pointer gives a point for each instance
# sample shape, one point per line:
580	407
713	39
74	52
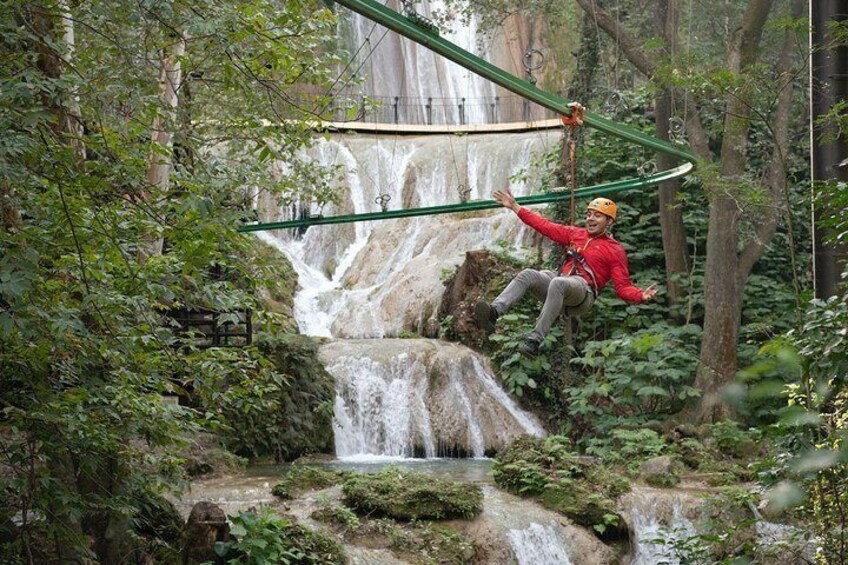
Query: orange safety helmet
603	205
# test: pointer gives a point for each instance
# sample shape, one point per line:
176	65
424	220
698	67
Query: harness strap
580	260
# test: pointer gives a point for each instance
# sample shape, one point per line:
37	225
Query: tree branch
775	176
629	44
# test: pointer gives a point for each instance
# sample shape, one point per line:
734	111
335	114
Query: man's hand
506	199
649	292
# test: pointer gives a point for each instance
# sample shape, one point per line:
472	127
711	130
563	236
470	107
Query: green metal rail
427	37
560	194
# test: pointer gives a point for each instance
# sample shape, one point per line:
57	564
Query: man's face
596	223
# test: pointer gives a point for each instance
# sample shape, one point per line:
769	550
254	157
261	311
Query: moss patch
277	282
405	495
547	471
418	541
301	478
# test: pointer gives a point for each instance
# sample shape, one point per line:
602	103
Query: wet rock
480	277
659	471
207	524
580	489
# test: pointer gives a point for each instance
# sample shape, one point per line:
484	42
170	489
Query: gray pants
569	294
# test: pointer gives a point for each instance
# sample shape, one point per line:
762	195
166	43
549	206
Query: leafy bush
265	537
272	399
627	445
517	371
406	495
735	442
634	378
804	371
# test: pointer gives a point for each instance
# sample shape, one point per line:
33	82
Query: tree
730	255
85	347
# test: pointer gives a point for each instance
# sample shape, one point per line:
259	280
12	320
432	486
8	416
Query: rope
574	121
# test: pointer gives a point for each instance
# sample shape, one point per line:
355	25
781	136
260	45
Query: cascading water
415	86
410	397
378	279
659	519
405	397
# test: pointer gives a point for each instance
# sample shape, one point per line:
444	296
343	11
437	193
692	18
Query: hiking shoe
485	316
530	347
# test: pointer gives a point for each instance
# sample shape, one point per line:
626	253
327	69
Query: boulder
659	471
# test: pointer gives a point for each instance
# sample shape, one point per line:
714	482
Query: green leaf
652	391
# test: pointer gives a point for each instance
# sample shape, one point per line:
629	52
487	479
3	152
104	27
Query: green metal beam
416	32
553	196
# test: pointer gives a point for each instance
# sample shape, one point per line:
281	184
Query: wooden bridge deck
420	129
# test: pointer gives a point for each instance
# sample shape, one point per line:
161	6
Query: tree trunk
52	26
159	169
10	213
55	49
722	294
723	287
671	214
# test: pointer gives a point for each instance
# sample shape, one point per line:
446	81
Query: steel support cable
400	24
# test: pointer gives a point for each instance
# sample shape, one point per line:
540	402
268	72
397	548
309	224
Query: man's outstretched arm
556	232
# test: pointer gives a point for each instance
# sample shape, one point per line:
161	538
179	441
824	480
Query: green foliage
804	370
275	399
729	535
306	477
265	537
86	350
634	378
418	541
547	470
406	495
517	371
627	446
336	514
734	441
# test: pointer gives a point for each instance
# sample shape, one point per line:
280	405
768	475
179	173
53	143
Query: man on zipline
593	258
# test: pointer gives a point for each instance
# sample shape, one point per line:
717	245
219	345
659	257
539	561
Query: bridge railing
439	110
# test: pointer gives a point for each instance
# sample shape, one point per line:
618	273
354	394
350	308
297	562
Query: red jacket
604	255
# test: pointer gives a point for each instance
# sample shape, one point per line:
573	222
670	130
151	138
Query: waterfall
660	518
375	279
414	85
364	282
412	397
539	545
538	536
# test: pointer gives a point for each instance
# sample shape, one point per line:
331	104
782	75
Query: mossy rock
583	490
301	478
405	495
318	548
668	480
211	461
692	452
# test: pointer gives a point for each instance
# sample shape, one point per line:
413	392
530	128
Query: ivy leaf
652	391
